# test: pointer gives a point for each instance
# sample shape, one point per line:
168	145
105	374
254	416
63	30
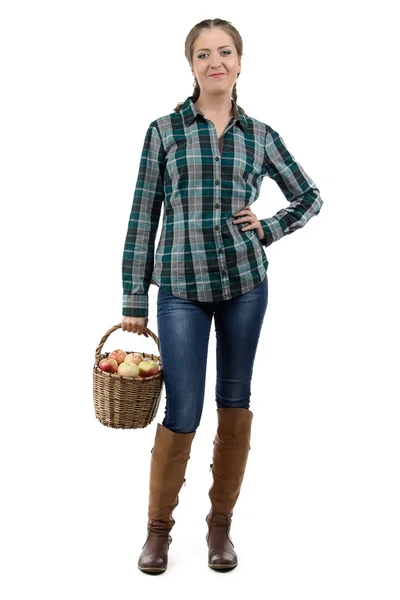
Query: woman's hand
249	217
135	325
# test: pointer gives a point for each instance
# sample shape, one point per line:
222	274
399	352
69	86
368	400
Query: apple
128	370
148	368
109	365
119	355
134	357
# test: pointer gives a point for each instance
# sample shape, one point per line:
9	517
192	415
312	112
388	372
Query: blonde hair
194	32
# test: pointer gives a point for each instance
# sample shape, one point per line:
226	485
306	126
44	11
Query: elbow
314	201
317	204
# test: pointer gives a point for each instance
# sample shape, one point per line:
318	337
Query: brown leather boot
170	454
231	448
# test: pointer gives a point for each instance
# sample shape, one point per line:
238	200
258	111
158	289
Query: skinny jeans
184	330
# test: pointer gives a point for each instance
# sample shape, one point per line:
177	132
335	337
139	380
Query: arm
138	255
298	188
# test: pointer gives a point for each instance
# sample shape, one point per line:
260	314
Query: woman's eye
228	51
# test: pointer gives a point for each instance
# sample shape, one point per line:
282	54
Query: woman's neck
215	106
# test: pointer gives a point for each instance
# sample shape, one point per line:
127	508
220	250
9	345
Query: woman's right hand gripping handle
135	325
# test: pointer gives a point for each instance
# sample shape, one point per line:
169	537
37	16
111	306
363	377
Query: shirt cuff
135	305
271	231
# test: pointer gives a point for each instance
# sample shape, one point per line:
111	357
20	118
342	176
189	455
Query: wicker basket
124	402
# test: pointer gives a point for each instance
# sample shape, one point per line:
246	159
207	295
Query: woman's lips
217	75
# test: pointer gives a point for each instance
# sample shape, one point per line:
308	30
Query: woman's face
215	52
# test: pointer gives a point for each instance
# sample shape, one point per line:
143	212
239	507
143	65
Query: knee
180	430
184	426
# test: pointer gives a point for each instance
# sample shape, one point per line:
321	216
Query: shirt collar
190	111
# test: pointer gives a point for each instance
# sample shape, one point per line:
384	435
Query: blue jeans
183	333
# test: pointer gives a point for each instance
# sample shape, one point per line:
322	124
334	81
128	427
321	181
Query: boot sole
222	568
153	570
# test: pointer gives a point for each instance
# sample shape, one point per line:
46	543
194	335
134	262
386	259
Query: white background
318	515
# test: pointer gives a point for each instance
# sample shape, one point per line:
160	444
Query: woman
205	161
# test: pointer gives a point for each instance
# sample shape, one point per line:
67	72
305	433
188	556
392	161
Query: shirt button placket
223	268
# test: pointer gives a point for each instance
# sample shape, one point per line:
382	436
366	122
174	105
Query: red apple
148	368
109	365
134	357
119	355
128	370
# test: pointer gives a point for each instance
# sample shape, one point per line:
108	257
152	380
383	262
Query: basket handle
105	336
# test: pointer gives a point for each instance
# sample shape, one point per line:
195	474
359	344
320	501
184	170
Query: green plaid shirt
202	255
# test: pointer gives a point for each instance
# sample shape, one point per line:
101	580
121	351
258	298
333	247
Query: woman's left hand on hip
247	216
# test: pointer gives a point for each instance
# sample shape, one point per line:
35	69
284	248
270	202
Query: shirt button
217	158
217	205
217	182
217	228
220	250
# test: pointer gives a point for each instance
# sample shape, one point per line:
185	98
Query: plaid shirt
202	255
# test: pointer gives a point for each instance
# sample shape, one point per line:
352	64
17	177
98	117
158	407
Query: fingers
246	220
135	325
244	214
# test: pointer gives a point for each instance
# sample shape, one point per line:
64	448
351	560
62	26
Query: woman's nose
215	61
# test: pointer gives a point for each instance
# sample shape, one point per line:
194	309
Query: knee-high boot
230	452
170	454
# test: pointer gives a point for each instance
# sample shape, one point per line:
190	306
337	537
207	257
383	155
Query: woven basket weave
125	402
